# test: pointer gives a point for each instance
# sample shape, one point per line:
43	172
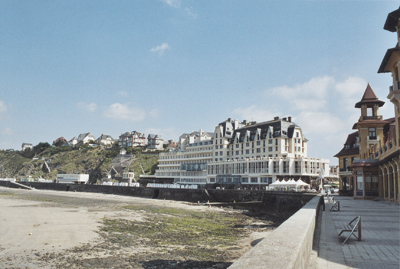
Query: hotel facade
242	154
370	160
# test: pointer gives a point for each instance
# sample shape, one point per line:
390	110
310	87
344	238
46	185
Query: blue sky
170	67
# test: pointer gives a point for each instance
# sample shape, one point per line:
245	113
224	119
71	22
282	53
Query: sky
170	67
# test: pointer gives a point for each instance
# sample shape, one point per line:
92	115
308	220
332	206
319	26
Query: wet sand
39	226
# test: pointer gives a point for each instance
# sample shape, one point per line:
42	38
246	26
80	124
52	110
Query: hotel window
237	146
276	167
276	141
270	141
254	180
269	148
258	150
372	133
247	144
247	151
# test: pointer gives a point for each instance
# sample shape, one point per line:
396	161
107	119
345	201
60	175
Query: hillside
98	163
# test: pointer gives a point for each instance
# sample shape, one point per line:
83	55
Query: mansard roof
369	98
280	128
350	147
104	137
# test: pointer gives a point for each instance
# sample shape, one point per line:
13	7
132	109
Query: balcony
372	118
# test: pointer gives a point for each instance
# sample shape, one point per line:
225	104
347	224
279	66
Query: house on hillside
73	141
105	140
155	142
26	146
132	139
171	145
60	141
86	138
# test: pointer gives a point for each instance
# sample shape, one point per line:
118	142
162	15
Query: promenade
379	247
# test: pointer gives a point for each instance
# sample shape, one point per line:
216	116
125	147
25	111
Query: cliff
98	163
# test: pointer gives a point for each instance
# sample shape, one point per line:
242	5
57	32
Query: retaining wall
289	245
274	202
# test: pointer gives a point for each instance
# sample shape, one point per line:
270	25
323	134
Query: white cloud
124	112
3	109
154	113
309	104
161	48
6	131
177	4
351	90
123	93
189	12
316	88
172	3
87	107
352	86
254	113
319	122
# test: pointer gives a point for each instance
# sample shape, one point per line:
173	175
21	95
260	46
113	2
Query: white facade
72	178
26	146
132	139
86	138
241	153
105	140
155	142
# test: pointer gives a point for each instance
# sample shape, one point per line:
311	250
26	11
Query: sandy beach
49	229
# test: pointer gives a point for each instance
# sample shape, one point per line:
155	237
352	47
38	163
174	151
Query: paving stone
379	247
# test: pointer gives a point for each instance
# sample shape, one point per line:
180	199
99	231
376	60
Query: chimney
276	118
289	119
284	119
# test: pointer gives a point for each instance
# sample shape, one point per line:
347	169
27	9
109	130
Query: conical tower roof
369	98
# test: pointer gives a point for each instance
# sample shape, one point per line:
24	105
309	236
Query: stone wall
289	245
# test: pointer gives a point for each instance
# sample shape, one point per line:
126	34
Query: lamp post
321	176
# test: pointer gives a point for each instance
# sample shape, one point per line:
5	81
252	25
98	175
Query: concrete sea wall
289	245
273	202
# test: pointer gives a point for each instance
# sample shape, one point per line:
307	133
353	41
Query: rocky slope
98	163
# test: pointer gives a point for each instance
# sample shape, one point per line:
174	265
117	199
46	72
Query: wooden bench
353	227
335	206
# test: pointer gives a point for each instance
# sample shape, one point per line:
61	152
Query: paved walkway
379	247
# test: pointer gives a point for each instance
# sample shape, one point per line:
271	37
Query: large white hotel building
241	154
